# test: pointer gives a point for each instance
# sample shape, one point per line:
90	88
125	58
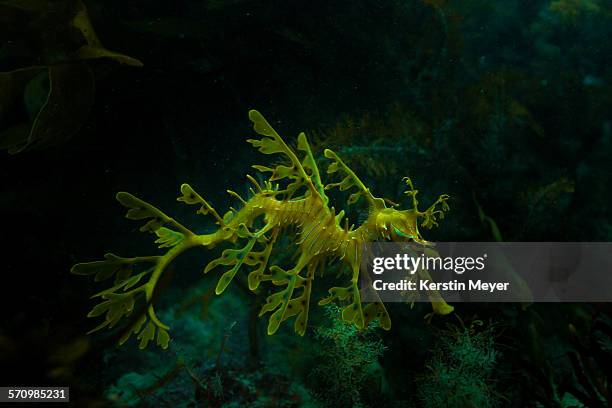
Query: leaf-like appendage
117	302
352	313
377	311
259	259
301	305
122	268
148	334
141	210
168	238
134	329
102	270
272	143
272	302
235	257
163	338
115	306
310	165
277	275
282	302
336	293
432	214
261	125
192	198
349	180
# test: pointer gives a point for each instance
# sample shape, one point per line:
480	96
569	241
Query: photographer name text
451	286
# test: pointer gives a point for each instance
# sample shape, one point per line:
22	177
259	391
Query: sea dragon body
302	204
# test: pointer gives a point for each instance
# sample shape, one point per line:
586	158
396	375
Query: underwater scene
189	186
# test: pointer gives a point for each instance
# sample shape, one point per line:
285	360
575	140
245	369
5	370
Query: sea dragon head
403	225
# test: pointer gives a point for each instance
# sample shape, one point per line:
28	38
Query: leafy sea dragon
301	203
